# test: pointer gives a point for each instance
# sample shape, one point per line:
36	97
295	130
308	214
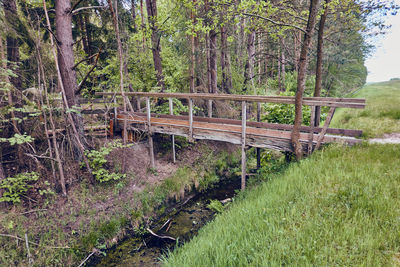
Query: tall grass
339	207
381	115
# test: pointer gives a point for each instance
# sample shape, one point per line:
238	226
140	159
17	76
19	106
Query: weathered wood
258	150
325	128
273	139
310	101
311	134
138	103
171	112
347	132
243	142
210	104
190	119
151	146
115	113
225	128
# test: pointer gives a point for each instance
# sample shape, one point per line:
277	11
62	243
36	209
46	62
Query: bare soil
392	138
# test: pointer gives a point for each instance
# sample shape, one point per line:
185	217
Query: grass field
381	115
341	206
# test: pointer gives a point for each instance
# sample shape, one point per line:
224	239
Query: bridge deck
226	131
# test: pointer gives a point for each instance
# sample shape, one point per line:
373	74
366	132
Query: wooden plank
243	141
311	134
278	141
171	112
231	128
190	120
310	101
287	127
210	105
324	129
151	146
258	150
138	103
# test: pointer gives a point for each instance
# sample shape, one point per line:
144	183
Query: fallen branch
31	211
160	236
165	224
90	255
30	242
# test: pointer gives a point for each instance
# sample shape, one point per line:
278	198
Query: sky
384	63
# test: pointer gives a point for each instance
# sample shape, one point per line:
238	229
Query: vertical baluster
258	149
244	108
171	112
151	146
190	119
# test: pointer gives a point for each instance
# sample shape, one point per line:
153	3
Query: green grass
339	207
381	115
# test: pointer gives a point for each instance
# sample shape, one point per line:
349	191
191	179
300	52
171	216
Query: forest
56	55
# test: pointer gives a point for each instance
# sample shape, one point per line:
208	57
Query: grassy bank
338	207
63	232
381	115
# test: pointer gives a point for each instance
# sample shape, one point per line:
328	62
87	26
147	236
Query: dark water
182	224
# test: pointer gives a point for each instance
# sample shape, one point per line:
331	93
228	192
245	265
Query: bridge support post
151	145
243	141
311	134
171	112
190	120
210	108
258	150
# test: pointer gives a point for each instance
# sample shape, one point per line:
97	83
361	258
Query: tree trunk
251	51
318	72
224	61
142	26
155	41
66	63
301	78
283	65
133	11
12	42
193	53
213	61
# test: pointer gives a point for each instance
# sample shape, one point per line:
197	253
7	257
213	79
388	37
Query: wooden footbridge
247	132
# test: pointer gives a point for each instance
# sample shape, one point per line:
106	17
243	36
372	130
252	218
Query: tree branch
274	22
80	86
74	6
86	8
85	59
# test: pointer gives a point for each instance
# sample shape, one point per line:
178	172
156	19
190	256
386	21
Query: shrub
97	161
15	187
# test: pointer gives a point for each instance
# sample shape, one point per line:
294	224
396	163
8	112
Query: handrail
309	101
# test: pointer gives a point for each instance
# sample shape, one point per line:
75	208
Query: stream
182	223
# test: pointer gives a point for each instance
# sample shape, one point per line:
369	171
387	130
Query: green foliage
284	113
18	139
97	161
216	206
15	187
